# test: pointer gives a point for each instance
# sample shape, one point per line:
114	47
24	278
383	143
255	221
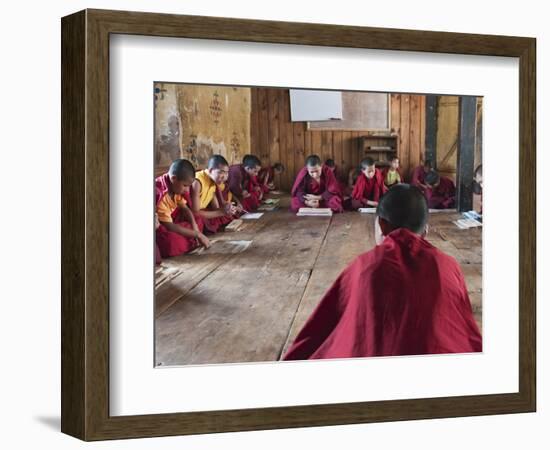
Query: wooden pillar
431	129
467	107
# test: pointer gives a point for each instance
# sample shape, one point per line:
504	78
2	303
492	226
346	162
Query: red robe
266	176
418	176
404	297
367	189
328	188
167	242
442	196
238	181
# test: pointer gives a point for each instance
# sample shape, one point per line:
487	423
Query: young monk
315	187
178	231
403	297
369	186
243	183
266	176
207	203
391	174
419	174
478	189
440	191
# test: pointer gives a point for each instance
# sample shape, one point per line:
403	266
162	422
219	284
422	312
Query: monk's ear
426	230
385	226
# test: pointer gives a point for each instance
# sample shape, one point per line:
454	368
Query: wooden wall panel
276	139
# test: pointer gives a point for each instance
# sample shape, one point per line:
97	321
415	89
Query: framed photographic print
228	268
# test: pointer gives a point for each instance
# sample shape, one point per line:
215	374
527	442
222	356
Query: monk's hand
228	209
204	241
246	194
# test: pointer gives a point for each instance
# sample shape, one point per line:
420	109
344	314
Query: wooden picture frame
85	228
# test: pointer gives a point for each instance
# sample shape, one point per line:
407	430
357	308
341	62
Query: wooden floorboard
242	309
218	307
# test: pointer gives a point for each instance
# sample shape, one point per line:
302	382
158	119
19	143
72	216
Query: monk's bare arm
196	203
188	216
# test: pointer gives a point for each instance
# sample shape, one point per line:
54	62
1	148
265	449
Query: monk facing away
403	297
316	187
177	229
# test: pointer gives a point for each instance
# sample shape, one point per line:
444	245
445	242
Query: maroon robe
327	187
418	176
266	176
169	243
404	297
238	181
367	189
443	195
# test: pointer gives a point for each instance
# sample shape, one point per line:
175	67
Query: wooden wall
274	138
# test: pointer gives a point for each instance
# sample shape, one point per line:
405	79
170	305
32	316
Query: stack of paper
271	201
367	210
314	212
466	223
248	216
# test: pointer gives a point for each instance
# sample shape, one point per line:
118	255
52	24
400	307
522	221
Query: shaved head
404	206
182	170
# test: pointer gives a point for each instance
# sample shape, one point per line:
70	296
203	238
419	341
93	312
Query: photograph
305	224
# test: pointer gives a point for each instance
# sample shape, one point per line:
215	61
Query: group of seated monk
317	185
424	309
191	204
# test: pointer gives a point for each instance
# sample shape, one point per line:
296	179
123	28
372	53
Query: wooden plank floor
219	307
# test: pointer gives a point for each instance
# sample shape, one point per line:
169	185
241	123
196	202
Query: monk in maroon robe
242	182
178	231
369	186
403	297
316	187
266	176
207	201
419	174
441	191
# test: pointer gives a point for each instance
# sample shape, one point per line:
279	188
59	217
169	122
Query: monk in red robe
243	183
419	174
266	176
403	297
440	191
392	175
316	187
207	202
178	230
369	186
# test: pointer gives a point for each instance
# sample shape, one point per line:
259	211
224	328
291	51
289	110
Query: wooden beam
467	108
430	141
